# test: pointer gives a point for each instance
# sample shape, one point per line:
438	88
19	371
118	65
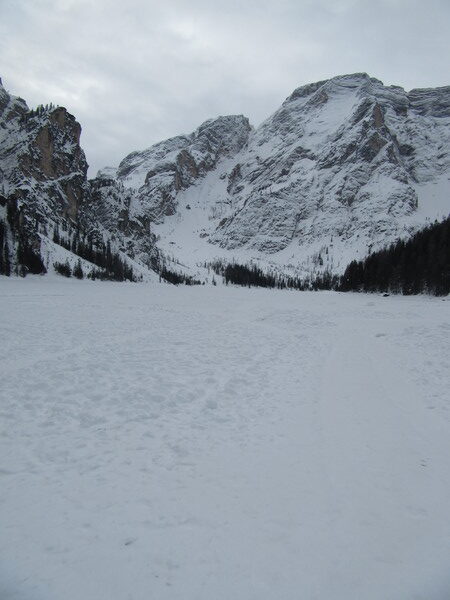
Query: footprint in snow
129	541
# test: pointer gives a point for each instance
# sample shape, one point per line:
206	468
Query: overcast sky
134	72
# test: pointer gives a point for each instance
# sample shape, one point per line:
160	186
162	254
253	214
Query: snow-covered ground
219	443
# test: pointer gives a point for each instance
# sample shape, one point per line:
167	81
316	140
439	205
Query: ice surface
217	443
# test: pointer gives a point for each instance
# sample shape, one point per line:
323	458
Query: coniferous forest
176	278
419	265
111	265
253	276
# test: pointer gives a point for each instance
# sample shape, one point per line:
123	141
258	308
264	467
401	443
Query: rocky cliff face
339	159
162	171
116	210
41	160
42	174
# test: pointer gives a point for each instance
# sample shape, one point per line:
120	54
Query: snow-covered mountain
345	166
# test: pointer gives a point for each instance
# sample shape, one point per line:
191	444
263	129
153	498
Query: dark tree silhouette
419	265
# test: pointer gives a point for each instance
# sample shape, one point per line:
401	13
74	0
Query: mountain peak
352	80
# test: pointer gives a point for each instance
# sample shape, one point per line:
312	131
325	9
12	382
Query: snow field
198	443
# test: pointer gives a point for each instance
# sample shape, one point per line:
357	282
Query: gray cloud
137	72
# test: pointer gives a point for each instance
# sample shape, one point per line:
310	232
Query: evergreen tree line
248	276
419	265
253	276
111	266
40	110
66	270
176	278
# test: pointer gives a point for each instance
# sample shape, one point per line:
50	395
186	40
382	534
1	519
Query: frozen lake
222	443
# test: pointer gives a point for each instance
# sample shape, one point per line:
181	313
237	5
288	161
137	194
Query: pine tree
422	264
56	236
63	268
2	249
78	270
6	260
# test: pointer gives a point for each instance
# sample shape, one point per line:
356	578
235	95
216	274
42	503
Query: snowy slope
161	171
174	443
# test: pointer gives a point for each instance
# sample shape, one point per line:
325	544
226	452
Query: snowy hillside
218	443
